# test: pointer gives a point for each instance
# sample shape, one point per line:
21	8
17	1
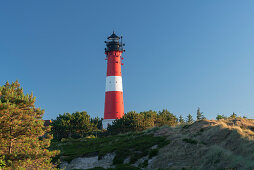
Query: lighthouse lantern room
114	106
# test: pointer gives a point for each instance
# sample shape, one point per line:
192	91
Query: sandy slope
207	144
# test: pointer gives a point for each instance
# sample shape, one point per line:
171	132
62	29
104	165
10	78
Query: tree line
80	124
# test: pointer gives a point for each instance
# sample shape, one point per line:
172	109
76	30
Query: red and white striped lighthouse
114	107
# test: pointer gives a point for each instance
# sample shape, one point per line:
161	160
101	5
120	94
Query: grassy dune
206	144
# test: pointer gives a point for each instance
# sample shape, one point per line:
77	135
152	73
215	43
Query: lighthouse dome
113	36
113	44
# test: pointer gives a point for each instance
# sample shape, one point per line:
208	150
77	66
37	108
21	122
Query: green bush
218	117
153	153
75	125
144	164
191	141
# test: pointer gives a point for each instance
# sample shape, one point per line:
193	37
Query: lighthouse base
106	122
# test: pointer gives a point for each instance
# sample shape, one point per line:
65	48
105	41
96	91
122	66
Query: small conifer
189	119
181	120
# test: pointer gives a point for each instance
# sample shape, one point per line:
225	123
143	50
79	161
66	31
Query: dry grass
208	144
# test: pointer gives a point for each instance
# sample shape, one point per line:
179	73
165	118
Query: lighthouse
114	106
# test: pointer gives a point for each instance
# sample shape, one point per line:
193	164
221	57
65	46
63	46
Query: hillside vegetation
205	144
208	144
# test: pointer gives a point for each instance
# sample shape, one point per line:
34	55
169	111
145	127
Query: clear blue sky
180	54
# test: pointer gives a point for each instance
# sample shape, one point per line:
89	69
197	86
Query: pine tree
233	116
200	115
181	120
22	128
189	119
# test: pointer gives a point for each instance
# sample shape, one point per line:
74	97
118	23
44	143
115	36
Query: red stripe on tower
114	107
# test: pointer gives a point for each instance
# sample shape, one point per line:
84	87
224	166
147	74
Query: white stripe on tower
114	83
